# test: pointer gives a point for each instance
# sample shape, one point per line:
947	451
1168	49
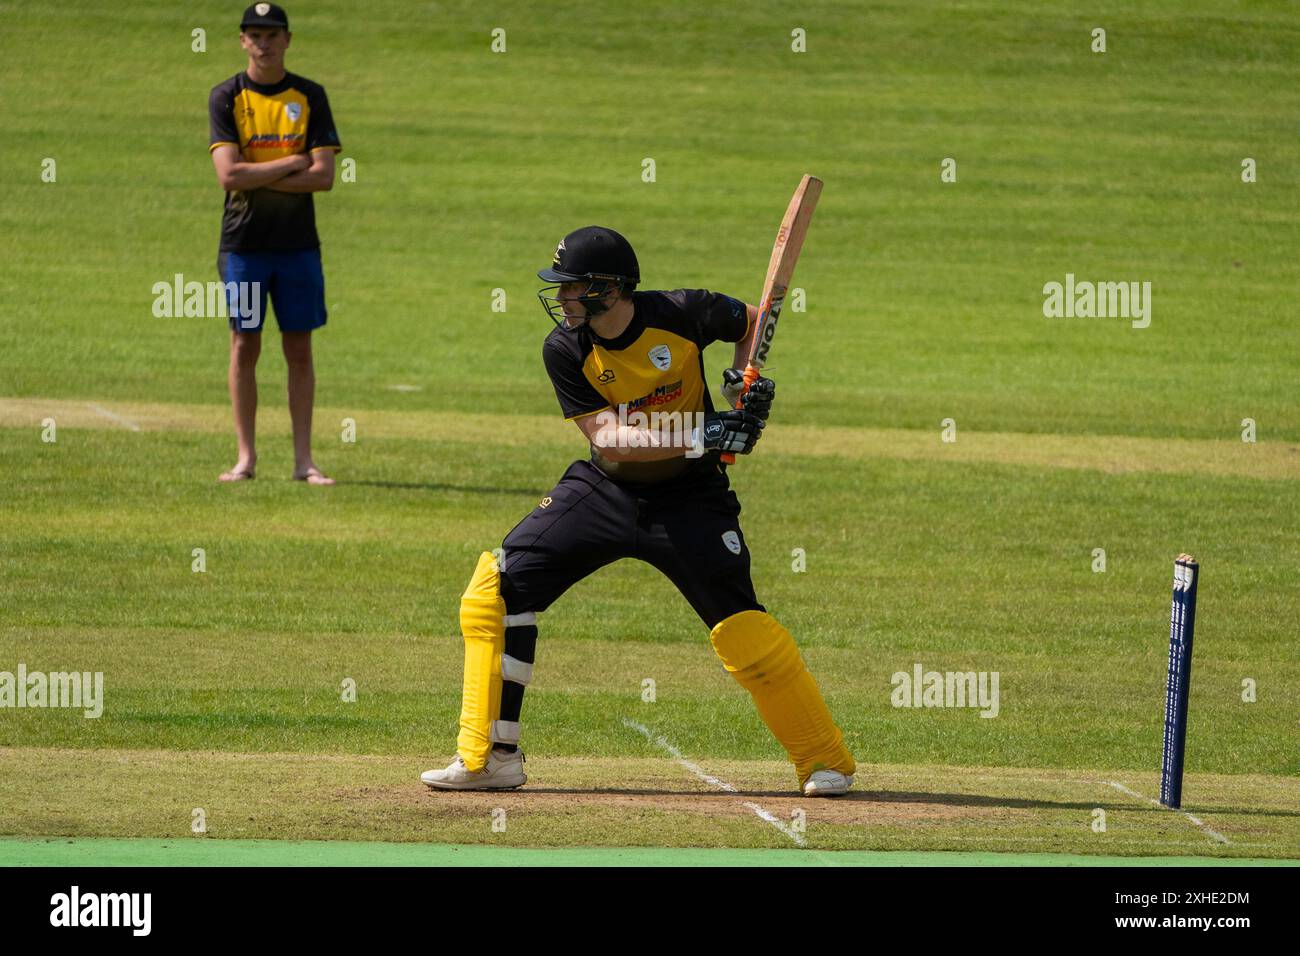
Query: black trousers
687	527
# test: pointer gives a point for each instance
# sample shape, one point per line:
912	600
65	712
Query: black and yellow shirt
655	365
269	122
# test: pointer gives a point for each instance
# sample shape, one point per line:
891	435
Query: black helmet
596	255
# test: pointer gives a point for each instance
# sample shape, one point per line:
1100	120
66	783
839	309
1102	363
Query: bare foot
238	473
312	475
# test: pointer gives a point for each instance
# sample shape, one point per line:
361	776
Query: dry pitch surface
590	802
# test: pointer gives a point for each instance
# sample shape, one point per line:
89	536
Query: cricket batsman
658	495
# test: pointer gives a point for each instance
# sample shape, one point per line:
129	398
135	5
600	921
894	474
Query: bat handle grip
751	376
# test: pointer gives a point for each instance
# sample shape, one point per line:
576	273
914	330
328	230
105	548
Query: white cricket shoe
503	771
827	783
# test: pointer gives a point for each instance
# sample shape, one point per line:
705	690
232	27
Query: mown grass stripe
1113	454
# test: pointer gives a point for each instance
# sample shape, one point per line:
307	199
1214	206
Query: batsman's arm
618	442
237	176
741	357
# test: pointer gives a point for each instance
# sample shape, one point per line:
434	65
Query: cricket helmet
593	254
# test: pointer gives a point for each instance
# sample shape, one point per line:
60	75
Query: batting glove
734	430
758	400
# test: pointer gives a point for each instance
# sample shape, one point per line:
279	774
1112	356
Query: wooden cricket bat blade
780	270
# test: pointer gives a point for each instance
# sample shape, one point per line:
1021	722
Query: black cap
265	15
592	251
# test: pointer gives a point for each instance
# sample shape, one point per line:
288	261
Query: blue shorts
294	281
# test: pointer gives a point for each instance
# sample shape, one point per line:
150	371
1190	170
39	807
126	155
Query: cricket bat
780	270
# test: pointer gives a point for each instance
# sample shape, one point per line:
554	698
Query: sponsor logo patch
276	141
660	396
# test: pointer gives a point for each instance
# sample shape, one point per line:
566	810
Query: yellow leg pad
482	622
760	653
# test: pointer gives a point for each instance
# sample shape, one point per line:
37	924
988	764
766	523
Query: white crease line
1211	833
1109	842
712	780
780	825
101	410
884	774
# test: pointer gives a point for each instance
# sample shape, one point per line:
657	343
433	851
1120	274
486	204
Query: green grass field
924	303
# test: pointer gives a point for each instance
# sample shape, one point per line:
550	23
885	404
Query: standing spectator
273	143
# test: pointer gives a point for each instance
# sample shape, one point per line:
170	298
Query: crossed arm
299	173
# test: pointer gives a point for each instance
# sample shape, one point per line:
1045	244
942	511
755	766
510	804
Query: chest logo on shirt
606	376
293	111
661	357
